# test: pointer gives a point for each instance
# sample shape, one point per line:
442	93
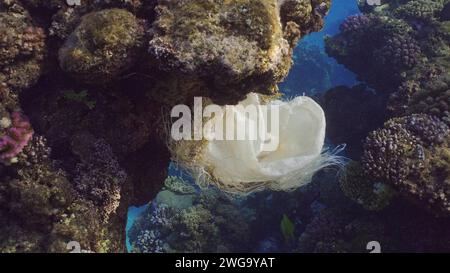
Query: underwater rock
105	44
99	177
236	46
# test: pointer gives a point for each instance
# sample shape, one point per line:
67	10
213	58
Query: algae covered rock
22	48
235	46
105	44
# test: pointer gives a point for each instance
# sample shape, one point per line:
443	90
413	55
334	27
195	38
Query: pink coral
16	137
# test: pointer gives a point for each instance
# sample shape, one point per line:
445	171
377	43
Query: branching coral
100	178
215	223
15	138
22	48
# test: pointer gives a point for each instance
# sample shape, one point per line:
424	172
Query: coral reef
215	223
15	138
400	48
354	23
22	47
426	91
95	78
371	195
399	52
244	48
412	154
400	229
99	177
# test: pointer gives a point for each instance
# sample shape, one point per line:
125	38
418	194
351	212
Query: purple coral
400	52
33	41
354	22
16	137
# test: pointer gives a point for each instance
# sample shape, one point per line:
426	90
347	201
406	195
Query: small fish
287	228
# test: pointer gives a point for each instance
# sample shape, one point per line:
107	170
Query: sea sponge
279	160
105	44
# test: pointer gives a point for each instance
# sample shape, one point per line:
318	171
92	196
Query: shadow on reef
83	90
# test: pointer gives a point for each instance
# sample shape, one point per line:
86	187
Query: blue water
301	80
313	71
